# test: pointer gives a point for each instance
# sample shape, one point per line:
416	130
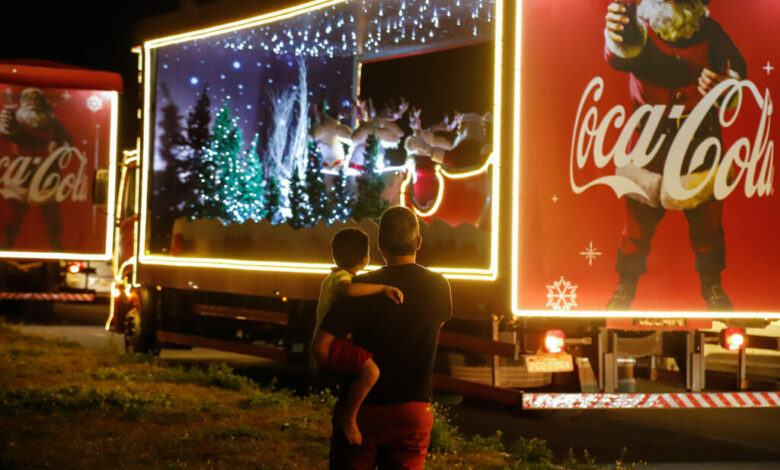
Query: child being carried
351	254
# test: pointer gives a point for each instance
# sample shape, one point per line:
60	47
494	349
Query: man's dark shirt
402	337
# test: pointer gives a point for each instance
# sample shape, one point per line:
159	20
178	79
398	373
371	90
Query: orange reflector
732	339
554	341
284	299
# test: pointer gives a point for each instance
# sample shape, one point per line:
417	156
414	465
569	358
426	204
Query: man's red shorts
394	437
347	357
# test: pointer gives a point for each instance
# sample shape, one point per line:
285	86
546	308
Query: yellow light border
109	241
514	297
489	274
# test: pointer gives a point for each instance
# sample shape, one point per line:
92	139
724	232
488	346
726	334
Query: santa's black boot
624	293
713	293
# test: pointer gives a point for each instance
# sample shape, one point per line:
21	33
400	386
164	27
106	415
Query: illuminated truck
58	127
517	133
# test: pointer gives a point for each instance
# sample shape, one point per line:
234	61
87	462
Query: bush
75	397
222	376
445	436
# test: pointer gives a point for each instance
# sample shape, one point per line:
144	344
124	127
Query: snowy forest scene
324	120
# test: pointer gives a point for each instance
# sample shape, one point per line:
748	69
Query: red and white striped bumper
71	297
570	401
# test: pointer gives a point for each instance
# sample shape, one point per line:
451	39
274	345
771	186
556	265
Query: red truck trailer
543	148
58	128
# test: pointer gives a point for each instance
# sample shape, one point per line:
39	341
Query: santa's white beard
673	21
34	118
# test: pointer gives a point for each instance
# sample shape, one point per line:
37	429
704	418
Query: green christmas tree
219	176
272	196
371	184
315	185
245	196
341	198
300	208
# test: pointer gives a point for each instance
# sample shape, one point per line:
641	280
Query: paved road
747	439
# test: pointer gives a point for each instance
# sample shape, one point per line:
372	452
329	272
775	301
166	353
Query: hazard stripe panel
570	401
47	296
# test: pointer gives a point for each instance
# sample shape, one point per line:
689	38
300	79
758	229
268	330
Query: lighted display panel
644	160
267	136
52	141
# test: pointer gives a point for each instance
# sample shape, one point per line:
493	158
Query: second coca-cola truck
58	131
601	199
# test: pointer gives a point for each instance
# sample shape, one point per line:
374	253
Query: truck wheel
140	326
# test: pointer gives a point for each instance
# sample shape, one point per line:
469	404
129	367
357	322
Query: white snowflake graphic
590	253
94	103
561	295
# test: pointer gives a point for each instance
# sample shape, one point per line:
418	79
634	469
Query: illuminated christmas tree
300	209
340	198
315	185
218	176
371	184
245	195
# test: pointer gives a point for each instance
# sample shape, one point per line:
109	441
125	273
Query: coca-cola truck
58	131
544	148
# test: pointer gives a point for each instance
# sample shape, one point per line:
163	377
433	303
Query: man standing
34	134
395	419
675	54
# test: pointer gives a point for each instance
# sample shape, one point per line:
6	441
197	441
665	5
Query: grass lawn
65	407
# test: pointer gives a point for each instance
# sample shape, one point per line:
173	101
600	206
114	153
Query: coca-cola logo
40	180
749	159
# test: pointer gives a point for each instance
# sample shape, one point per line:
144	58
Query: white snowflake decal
590	253
561	295
94	103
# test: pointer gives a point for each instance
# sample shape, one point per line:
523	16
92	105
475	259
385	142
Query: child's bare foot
351	431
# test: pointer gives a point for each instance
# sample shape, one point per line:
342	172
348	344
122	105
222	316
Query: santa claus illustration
34	134
674	54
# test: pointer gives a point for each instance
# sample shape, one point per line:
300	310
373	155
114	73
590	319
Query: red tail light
75	267
732	339
554	341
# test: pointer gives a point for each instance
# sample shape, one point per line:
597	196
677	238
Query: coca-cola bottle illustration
631	33
8	114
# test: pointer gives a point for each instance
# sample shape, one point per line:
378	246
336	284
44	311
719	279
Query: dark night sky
96	34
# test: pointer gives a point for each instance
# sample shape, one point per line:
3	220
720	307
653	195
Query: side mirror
100	188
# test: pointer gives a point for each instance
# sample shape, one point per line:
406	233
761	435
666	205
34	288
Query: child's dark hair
349	246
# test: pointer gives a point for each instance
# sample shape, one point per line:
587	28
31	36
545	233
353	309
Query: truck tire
140	325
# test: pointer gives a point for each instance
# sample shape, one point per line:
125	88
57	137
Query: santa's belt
708	124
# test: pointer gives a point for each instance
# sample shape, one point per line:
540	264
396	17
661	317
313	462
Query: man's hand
617	22
709	80
394	294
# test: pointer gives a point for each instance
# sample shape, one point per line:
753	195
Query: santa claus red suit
674	54
33	133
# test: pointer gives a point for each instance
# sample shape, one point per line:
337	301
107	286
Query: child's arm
350	289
